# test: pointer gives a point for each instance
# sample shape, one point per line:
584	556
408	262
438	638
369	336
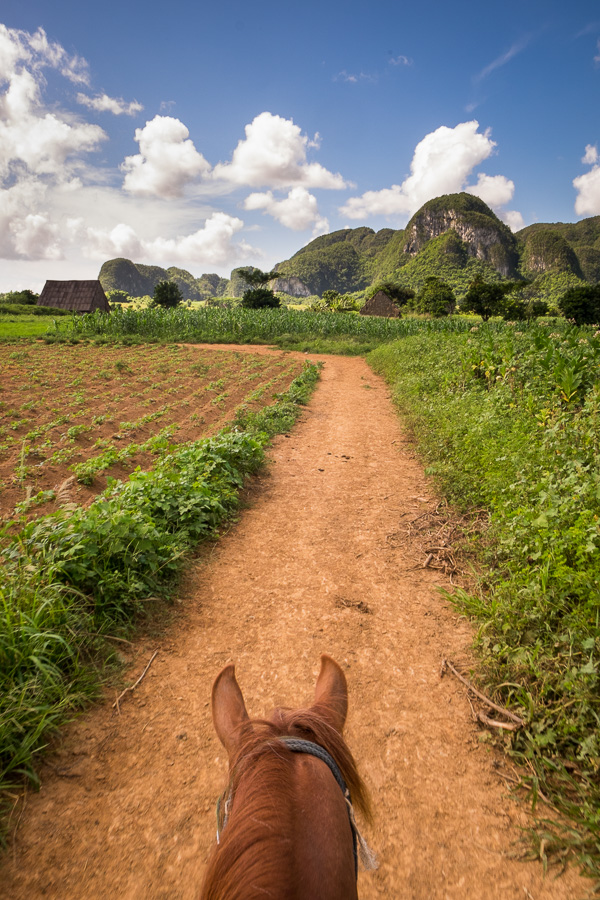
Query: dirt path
127	807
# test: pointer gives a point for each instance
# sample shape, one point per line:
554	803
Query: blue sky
209	137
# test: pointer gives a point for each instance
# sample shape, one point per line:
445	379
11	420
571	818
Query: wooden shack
76	296
380	305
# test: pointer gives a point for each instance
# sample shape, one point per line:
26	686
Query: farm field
71	416
12	327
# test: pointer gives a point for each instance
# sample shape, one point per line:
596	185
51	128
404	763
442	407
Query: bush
436	298
26	297
582	304
260	298
167	294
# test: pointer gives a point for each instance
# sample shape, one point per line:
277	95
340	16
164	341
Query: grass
508	421
26	326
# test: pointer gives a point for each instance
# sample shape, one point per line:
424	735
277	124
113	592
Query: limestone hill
455	237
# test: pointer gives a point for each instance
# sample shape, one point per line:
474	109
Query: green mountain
455	237
140	280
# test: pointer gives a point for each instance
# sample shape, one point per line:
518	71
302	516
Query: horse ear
331	693
228	709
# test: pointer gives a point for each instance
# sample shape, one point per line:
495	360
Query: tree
260	298
487	299
258	295
256	277
167	295
436	297
581	304
117	296
26	297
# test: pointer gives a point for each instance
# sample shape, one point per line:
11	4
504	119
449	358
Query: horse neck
288	835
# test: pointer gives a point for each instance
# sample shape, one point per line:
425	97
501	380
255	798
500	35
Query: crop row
246	325
80	410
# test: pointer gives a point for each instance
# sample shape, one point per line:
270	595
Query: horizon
209	139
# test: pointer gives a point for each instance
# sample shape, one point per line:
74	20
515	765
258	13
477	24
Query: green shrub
260	298
436	298
581	304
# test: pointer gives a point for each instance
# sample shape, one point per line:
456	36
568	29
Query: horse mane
234	864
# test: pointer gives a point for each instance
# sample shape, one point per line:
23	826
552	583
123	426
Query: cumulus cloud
115	105
167	161
32	138
587	185
400	61
274	154
495	190
298	211
36	237
211	245
441	164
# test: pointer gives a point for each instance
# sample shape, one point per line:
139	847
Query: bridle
297	745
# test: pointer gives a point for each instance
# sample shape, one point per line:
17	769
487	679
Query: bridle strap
297	745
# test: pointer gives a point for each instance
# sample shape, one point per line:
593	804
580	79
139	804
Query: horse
286	828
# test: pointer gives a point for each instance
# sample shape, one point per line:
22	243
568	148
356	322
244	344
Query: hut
380	305
76	296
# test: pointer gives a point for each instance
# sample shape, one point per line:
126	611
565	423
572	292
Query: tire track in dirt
127	807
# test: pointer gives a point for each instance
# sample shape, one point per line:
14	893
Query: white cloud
31	137
597	56
298	211
495	190
35	237
167	160
211	245
587	186
512	218
273	154
354	79
400	61
441	164
501	60
104	103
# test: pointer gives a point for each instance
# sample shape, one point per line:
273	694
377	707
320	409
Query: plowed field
72	415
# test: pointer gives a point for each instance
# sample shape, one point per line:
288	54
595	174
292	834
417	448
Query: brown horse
286	823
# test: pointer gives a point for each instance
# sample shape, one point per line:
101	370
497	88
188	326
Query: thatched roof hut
76	296
380	305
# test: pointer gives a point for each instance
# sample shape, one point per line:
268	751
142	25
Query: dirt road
127	807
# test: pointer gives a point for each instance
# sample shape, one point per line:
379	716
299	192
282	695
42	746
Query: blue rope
297	745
